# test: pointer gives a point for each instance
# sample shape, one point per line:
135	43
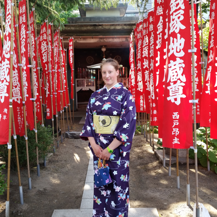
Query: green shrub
45	141
3	184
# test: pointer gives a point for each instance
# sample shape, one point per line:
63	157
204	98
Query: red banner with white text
5	79
213	84
17	92
177	117
71	59
25	63
35	68
205	98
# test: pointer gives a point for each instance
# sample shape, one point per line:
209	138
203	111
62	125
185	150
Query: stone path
87	202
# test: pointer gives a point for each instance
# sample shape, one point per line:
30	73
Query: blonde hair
111	61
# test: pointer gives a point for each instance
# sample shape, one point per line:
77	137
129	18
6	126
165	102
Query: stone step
133	212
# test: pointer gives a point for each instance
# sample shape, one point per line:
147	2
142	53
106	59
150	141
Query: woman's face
109	75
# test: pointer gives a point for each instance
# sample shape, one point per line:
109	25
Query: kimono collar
118	85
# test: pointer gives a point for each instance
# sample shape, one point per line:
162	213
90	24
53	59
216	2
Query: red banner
66	84
25	63
145	66
35	69
17	92
5	79
44	62
197	69
57	70
158	35
177	119
162	68
52	67
205	98
132	87
213	84
153	100
63	73
71	59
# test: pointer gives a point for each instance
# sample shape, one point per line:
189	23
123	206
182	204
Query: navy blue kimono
112	200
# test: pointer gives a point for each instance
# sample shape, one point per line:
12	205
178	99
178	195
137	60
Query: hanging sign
177	116
5	79
35	68
71	63
205	112
25	63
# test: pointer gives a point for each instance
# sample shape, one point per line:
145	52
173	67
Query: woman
109	126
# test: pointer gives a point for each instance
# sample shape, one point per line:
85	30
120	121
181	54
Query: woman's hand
105	155
97	150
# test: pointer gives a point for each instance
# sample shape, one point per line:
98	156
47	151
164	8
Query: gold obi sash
104	124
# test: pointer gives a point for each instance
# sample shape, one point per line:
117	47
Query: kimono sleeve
88	128
126	126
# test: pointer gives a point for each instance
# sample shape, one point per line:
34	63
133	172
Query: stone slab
133	212
182	160
82	121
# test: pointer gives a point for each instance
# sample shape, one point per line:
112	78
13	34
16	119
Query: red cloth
5	79
25	63
71	63
35	69
205	111
17	92
44	62
213	82
177	116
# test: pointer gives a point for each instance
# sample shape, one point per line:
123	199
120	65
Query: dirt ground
61	183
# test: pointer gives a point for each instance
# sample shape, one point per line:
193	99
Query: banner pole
33	92
66	87
55	91
18	164
194	109
61	89
23	98
170	162
203	70
188	179
7	210
2	27
177	168
69	110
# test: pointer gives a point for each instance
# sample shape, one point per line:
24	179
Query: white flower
114	112
113	204
126	125
117	189
94	212
98	103
115	173
108	192
105	98
131	107
125	103
88	128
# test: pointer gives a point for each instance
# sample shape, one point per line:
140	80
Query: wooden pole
23	98
194	109
61	88
55	91
170	162
188	179
33	92
18	164
69	109
50	76
177	168
203	77
42	118
65	88
7	210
